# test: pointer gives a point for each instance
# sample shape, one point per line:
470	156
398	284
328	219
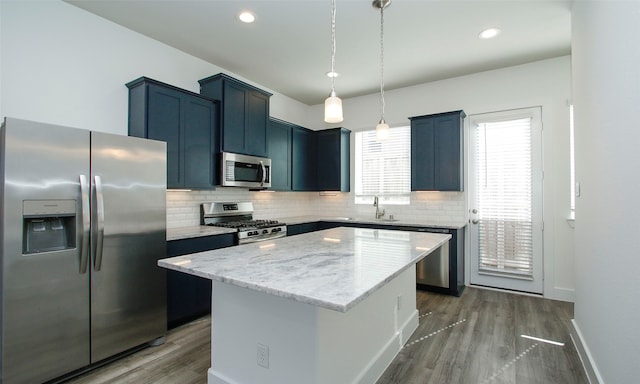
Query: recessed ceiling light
332	74
489	33
247	17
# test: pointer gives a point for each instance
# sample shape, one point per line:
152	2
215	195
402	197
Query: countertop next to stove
334	268
196	231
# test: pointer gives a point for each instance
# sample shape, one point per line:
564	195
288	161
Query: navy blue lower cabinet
188	296
298	229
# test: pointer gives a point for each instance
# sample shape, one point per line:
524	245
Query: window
504	182
383	168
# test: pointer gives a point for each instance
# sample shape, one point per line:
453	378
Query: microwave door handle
264	173
85	214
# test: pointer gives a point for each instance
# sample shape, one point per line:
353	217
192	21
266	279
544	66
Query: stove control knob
265	231
254	233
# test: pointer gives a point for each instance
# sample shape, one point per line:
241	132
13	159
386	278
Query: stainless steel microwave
245	171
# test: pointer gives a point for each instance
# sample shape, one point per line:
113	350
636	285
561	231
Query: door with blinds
505	192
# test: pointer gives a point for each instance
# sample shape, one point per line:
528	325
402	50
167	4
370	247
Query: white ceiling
288	47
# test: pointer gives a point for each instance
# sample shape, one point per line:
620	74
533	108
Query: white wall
606	89
63	65
545	83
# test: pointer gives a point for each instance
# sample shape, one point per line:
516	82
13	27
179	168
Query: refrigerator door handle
86	224
100	223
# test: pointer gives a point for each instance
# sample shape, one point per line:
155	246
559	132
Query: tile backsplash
183	207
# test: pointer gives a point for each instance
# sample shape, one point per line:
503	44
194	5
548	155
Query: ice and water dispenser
48	225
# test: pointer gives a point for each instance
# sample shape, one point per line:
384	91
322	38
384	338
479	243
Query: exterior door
505	193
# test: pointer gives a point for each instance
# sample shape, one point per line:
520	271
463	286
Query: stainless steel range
240	216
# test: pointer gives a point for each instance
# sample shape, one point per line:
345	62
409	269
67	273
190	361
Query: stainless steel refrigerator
83	225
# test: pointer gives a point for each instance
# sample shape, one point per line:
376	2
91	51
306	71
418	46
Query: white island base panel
309	344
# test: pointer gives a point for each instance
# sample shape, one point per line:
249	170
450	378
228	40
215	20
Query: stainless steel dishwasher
434	269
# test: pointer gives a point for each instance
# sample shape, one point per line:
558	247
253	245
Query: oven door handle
264	173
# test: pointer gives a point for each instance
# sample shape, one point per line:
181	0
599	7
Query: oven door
245	171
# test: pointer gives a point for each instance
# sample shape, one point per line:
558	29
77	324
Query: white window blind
383	168
504	184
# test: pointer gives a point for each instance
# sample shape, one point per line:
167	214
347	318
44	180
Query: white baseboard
585	356
562	294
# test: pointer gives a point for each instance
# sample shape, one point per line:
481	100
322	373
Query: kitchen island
332	306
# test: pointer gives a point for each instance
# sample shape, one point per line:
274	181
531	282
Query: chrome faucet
379	214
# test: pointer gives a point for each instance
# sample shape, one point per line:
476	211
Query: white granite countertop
310	219
196	231
334	268
203	230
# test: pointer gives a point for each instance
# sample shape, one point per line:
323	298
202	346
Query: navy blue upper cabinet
333	156
186	121
304	168
437	152
279	151
244	114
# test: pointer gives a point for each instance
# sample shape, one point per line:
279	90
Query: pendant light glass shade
382	130
333	104
333	109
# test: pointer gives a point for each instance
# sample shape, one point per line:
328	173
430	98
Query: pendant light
333	104
382	129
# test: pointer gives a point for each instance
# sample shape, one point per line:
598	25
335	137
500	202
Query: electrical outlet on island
263	355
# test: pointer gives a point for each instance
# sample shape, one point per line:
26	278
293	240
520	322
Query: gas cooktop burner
240	216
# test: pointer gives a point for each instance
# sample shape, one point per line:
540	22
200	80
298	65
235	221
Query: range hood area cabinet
437	152
320	159
244	114
186	121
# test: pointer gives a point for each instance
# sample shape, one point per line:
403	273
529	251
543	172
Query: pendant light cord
382	61
333	45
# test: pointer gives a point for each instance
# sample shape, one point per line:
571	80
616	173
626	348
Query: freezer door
128	289
45	293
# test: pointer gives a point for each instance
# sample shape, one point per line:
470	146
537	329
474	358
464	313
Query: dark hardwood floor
475	338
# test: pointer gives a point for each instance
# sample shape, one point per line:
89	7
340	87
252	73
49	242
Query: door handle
85	214
100	223
264	173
